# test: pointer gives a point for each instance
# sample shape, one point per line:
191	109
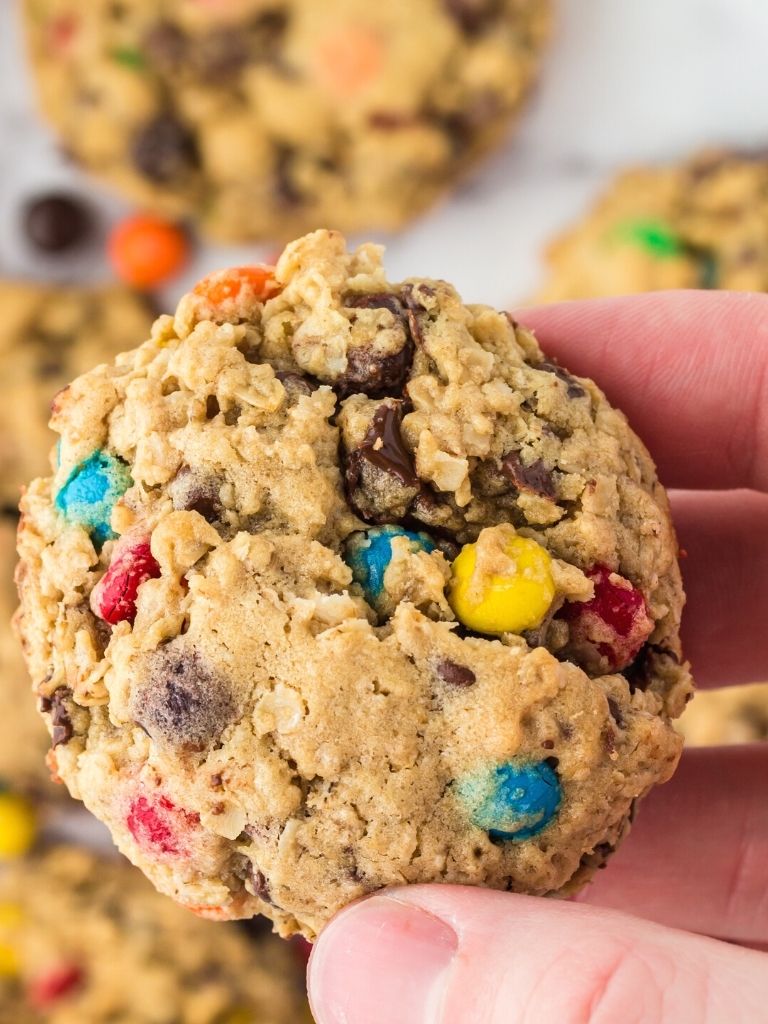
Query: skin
676	930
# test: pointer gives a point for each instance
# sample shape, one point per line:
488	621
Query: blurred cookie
23	741
47	335
701	224
266	119
84	940
735	714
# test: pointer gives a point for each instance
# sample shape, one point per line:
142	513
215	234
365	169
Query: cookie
701	224
85	940
264	120
47	336
341	584
23	738
736	714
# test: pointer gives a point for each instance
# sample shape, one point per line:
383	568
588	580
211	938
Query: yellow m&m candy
503	602
17	825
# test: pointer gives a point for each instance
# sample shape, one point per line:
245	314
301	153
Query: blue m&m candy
90	491
368	555
513	800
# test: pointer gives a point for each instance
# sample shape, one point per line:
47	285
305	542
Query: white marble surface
625	80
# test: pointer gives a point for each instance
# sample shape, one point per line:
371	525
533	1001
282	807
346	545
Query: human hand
691	372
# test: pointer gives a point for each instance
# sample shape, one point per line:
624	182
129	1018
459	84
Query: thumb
451	955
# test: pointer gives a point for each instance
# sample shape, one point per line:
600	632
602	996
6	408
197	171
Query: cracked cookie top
264	118
340	583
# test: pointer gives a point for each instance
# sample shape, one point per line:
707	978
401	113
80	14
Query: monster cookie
265	118
85	940
340	583
736	714
703	224
47	336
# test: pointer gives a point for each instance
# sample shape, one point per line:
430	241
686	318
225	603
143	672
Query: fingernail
381	961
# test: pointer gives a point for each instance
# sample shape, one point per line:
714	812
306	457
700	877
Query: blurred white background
626	80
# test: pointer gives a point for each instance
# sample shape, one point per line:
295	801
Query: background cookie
47	336
266	120
702	224
23	743
84	940
736	714
394	599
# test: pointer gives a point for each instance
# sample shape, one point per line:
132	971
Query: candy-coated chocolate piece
56	983
91	490
147	251
113	598
611	627
18	827
655	237
369	554
513	800
503	603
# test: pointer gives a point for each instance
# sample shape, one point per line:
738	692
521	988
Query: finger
696	856
725	571
690	370
449	955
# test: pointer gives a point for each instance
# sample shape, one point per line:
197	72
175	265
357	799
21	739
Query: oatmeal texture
246	587
84	940
698	224
266	118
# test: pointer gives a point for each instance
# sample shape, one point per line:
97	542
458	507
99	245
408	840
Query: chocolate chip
296	383
212	407
615	710
575	390
534	479
182	702
418	316
553	762
165	45
191	491
374	300
56	222
609	740
285	187
455	675
380	477
58	707
260	885
548	744
641	673
164	150
220	55
472	15
373	373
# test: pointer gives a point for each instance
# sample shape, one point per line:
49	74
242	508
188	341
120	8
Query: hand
691	372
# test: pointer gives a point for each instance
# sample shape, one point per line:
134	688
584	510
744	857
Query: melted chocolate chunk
260	885
380	477
165	151
575	390
183	703
535	479
455	675
418	317
193	492
58	707
378	375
